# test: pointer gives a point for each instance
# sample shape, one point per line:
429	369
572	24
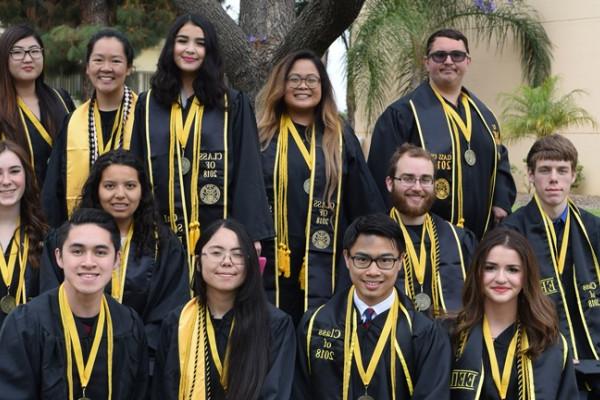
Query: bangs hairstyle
447	33
535	310
375	224
209	85
51	108
146	214
108	33
553	147
412	151
249	358
32	217
270	105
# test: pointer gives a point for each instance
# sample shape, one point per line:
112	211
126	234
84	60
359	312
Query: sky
336	66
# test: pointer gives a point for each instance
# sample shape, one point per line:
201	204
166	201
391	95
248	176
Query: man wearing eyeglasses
473	184
368	342
437	252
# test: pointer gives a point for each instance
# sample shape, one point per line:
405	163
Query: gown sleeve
165	382
301	387
361	196
468	242
248	195
53	191
567	389
142	379
279	379
506	191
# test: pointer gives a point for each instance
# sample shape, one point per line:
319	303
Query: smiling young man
367	341
473	183
74	342
566	241
438	253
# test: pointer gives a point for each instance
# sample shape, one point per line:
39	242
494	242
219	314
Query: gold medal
422	301
306	186
7	304
470	157
186	165
84	398
365	397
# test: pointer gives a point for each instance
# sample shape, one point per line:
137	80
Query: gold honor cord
222	367
119	275
501	383
24	109
73	344
102	148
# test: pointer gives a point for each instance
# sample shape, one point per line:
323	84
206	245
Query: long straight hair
249	341
535	310
51	108
209	85
271	106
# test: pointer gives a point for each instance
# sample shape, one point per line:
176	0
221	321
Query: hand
499	214
258	247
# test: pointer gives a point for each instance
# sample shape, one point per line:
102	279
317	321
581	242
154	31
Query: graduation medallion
442	188
470	157
84	398
7	304
306	186
422	301
210	194
365	397
186	165
321	239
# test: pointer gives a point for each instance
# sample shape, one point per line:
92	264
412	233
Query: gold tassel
194	236
283	260
461	223
301	278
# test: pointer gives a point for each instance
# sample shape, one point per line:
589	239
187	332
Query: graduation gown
418	118
456	247
246	200
359	196
153	286
553	372
282	347
579	279
40	147
319	369
33	362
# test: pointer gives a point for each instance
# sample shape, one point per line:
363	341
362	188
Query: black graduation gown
553	371
247	201
359	197
456	247
41	148
397	125
282	348
153	288
33	362
426	349
31	280
528	221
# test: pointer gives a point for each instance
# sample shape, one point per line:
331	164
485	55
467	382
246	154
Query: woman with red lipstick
507	342
31	113
101	124
22	228
317	183
198	138
228	342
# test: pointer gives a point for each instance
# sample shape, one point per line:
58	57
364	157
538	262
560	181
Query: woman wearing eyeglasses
198	138
31	113
507	341
316	179
228	342
101	124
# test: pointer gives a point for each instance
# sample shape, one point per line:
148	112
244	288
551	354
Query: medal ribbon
222	367
559	262
102	148
24	109
23	254
418	263
183	130
8	270
119	275
501	384
73	344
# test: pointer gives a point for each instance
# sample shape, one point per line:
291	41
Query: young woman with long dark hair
507	341
31	112
317	182
199	138
153	273
22	228
228	342
101	124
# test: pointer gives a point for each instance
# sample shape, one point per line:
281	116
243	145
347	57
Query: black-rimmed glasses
19	54
441	56
312	81
364	261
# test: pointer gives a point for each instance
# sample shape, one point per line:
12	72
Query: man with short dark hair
75	342
473	185
367	340
437	252
565	239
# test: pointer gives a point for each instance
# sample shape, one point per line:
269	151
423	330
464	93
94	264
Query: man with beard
473	183
437	252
